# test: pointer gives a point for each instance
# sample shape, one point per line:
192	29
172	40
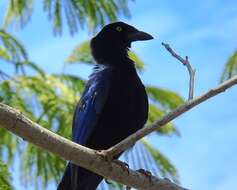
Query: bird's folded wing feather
91	105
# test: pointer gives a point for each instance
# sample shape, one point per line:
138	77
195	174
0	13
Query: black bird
114	103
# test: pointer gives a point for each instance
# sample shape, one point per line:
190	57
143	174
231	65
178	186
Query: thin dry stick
129	141
23	127
186	63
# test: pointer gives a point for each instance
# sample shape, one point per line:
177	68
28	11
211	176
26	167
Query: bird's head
111	44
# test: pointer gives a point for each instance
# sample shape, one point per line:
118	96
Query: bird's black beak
139	36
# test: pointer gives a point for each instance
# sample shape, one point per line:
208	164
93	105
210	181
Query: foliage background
208	132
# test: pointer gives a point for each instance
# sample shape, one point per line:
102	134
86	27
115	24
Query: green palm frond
167	169
162	101
82	54
167	99
34	67
4	54
156	113
14	53
8	143
73	82
76	13
230	68
18	12
138	62
49	101
4	177
91	14
38	167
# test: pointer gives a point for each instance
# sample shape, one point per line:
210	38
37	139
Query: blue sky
205	155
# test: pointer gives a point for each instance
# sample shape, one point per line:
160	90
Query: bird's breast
124	112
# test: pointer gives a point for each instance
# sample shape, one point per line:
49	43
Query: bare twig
129	141
18	124
185	63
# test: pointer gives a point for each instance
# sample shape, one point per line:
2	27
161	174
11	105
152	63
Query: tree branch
20	125
23	127
129	141
186	63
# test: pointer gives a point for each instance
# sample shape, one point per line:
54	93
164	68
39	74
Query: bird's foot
123	165
146	173
108	158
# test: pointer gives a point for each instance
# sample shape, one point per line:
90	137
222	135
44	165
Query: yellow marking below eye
119	29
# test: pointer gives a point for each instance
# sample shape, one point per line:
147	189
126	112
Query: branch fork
186	63
23	127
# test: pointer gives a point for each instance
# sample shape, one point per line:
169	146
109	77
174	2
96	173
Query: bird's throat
111	56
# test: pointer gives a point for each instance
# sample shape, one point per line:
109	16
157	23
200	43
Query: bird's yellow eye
119	29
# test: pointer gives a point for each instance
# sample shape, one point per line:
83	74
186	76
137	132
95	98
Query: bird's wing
90	105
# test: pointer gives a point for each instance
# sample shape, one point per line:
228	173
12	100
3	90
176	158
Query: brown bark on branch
129	141
23	127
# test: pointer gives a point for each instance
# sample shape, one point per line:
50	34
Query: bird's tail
77	178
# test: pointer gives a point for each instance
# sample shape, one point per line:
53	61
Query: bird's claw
146	173
123	165
108	158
